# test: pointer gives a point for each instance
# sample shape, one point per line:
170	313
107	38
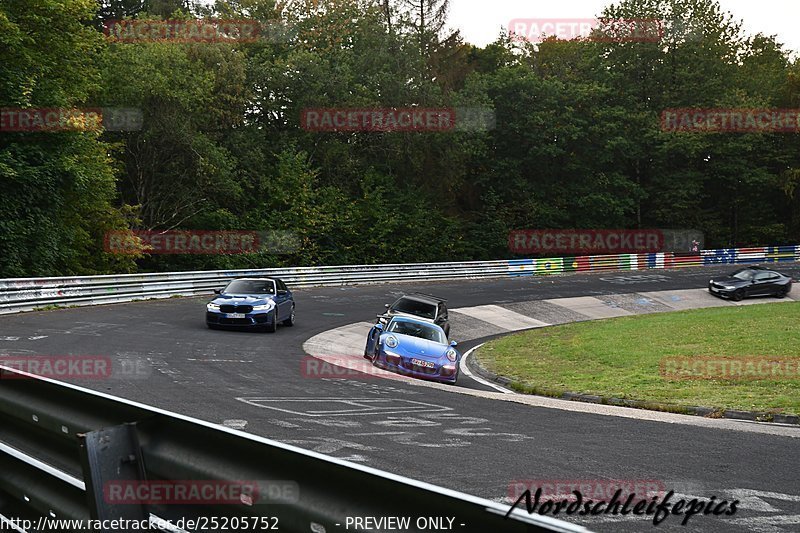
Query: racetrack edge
707	412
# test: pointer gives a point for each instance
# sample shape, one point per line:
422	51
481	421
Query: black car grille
235	321
236	308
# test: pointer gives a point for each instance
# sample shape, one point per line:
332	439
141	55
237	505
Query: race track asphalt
254	381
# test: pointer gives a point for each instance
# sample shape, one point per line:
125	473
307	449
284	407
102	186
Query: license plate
235	315
424	364
714	289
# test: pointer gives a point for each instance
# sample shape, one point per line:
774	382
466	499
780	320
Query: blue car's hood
242	299
406	344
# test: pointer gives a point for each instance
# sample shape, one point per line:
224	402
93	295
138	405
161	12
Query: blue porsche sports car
413	347
252	303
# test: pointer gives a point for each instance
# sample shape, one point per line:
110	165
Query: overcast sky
480	20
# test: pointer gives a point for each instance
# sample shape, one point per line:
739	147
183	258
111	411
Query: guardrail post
107	455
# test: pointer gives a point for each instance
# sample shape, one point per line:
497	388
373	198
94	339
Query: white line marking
486	432
463	368
355	458
768	524
686	299
501	317
220	361
751	493
590	306
365	406
235	423
328	445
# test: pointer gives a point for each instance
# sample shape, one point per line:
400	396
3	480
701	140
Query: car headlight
266	307
451	354
728	287
212	307
391	341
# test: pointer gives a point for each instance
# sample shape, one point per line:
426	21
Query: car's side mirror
217	291
281	291
453	343
379	326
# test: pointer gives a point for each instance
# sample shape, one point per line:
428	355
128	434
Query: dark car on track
751	281
413	347
418	305
257	303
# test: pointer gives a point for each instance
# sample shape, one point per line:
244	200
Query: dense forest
577	140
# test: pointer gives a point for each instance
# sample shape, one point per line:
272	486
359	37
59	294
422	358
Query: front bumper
401	364
250	320
717	290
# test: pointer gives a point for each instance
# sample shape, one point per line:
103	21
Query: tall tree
58	187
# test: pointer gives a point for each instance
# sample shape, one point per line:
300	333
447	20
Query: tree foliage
577	141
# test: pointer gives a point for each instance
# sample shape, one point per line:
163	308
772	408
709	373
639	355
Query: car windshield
414	329
744	274
415	307
246	286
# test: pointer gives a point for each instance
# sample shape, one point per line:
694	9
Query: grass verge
628	357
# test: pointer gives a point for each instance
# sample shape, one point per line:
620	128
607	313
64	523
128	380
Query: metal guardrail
25	294
21	294
62	445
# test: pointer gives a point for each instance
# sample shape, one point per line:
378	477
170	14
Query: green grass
620	357
49	307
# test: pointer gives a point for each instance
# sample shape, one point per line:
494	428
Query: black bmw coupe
751	281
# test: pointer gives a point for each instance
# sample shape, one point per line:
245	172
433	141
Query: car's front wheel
290	321
738	295
273	324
